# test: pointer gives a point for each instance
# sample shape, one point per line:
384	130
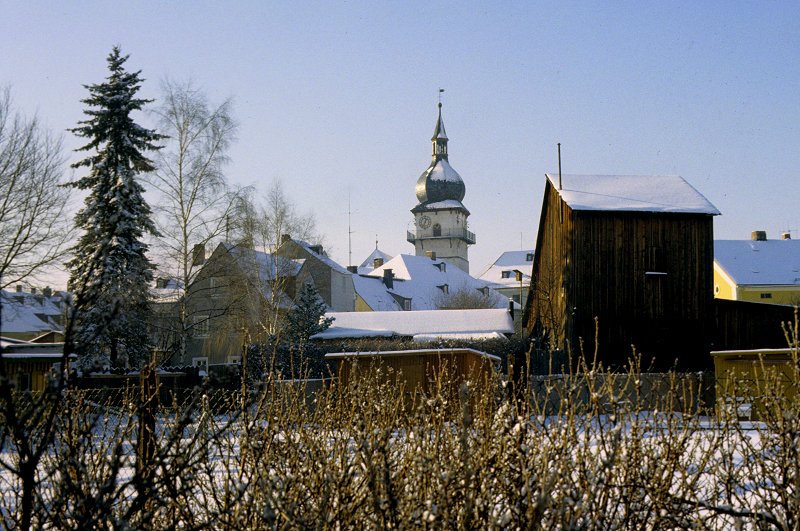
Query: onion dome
440	182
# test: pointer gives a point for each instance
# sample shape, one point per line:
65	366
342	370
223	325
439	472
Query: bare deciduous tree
33	234
262	226
195	200
468	299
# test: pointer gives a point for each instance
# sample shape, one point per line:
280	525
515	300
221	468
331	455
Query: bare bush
587	452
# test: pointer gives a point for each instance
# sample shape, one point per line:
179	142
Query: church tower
440	218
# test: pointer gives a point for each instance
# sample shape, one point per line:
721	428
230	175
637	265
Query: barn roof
631	193
759	263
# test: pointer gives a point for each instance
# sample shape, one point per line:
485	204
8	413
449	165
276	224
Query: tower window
437	230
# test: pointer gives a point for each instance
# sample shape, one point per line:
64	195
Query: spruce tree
308	316
110	273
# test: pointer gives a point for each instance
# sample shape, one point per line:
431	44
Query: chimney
285	238
759	236
377	262
33	291
317	249
161	282
19	288
431	254
47	292
786	235
511	307
388	278
198	254
352	269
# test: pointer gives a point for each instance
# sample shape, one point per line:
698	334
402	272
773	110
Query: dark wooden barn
635	255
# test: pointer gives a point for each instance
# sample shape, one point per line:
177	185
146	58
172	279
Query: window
505	274
766	295
442	267
201	325
234	359
445	288
202	363
716	289
437	230
214	285
529	257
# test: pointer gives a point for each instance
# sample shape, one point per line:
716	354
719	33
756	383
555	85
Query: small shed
418	370
751	380
30	364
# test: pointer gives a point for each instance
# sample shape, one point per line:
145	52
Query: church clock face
424	222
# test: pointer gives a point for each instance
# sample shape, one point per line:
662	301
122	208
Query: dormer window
407	305
445	288
506	274
529	257
441	266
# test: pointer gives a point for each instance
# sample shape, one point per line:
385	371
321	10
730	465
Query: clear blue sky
340	98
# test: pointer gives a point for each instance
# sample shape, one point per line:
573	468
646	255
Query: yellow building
758	270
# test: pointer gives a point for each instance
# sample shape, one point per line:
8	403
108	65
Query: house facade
758	270
624	262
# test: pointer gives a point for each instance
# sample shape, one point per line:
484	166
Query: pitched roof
509	261
368	264
631	193
324	258
759	263
417	278
431	324
22	312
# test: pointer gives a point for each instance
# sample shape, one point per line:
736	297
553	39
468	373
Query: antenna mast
349	234
559	165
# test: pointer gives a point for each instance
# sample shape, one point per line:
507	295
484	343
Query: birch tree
194	203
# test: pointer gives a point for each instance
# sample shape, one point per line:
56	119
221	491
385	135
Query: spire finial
439	136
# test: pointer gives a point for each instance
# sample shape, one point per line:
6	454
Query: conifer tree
110	273
308	317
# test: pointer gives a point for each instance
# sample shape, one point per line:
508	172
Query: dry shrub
586	452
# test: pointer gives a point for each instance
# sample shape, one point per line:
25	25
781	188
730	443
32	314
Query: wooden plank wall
742	325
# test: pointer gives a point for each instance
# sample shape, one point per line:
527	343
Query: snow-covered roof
431	323
508	262
759	263
322	257
25	350
419	279
631	193
368	264
22	312
398	353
